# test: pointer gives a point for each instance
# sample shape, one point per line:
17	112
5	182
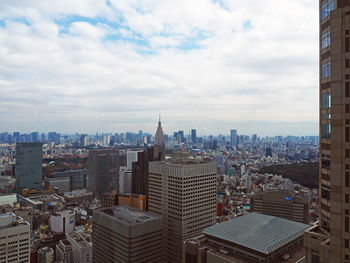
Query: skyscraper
159	143
103	171
29	159
193	136
233	137
333	232
184	194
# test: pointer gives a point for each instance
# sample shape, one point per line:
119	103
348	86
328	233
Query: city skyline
114	65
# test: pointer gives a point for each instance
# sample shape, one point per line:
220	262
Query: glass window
326	39
326	70
326	131
326	101
327	8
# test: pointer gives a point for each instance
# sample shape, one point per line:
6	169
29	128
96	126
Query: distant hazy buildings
159	142
125	234
29	158
233	137
184	194
103	171
193	135
285	204
14	239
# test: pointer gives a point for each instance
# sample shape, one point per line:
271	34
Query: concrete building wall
185	196
14	240
117	241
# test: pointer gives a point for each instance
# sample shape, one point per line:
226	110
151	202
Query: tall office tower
14	239
103	171
193	136
184	194
29	171
125	234
159	141
82	250
233	137
334	178
84	140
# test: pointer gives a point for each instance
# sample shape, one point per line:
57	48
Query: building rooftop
79	239
258	232
129	215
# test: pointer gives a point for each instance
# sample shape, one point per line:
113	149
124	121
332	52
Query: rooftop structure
123	234
261	233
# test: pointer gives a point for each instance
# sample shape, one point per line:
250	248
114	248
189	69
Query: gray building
78	178
126	234
62	184
29	158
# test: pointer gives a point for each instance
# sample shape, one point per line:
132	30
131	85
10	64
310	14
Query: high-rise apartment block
286	204
82	250
103	171
125	234
184	194
233	137
333	232
14	239
29	159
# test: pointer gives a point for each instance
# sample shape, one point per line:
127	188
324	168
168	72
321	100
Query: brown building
103	171
125	234
139	184
132	200
329	241
286	204
184	194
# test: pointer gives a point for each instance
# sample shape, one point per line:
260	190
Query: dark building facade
29	159
103	171
139	184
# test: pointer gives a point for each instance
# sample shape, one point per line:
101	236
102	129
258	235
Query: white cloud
196	62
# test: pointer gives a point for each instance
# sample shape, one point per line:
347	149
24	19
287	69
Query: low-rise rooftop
258	232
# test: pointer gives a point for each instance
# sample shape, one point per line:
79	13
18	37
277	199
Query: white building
14	239
62	221
82	250
125	178
46	255
131	156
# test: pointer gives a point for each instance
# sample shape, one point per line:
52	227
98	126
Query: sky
113	66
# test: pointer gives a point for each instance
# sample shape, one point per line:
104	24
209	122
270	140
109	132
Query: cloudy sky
114	65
